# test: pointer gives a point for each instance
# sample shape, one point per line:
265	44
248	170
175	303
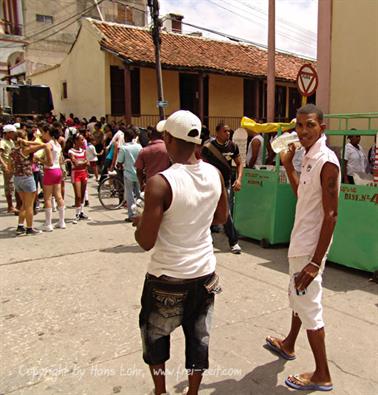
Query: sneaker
153	393
20	230
235	249
76	219
60	226
82	215
47	228
32	232
86	203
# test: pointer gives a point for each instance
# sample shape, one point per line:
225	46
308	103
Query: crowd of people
38	155
45	151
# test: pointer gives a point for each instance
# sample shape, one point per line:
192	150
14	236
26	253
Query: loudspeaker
29	99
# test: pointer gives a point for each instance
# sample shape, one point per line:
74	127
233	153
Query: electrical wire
288	24
304	41
264	25
281	24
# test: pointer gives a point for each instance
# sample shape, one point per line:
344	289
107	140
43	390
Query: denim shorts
169	303
24	184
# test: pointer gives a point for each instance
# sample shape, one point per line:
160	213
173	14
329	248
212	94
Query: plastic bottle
282	142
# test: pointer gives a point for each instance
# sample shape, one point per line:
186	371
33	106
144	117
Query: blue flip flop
271	345
306	385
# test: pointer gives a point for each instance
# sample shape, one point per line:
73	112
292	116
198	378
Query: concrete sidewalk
70	301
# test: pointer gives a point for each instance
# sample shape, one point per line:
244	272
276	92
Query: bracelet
314	264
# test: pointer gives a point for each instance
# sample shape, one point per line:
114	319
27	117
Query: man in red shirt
152	159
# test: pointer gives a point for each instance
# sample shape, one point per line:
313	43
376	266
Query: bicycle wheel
110	193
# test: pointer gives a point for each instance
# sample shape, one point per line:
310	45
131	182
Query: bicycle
111	192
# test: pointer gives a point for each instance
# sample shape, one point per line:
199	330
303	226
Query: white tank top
56	150
184	247
259	155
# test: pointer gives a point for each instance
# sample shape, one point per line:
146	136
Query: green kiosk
264	208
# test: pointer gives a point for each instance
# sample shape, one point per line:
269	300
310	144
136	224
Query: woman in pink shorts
52	177
79	174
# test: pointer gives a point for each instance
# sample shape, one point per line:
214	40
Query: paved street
69	316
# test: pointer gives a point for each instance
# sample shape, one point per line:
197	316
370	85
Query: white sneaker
76	219
235	249
47	228
60	226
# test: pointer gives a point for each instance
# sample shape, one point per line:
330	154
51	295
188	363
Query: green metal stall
355	241
264	208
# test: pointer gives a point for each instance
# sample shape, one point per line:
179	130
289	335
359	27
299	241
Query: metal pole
271	61
154	10
99	11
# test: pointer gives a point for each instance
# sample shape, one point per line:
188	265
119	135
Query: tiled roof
180	51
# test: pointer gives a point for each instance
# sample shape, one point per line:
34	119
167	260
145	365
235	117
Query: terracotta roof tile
197	53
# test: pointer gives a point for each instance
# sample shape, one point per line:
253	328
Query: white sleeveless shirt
184	247
56	150
309	213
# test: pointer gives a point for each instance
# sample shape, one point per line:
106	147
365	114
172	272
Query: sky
296	21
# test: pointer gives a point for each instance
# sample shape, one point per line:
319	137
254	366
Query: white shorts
308	306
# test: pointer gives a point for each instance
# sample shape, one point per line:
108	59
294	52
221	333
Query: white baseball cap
9	128
183	125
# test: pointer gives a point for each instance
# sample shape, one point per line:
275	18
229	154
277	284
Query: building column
128	110
201	114
324	55
271	61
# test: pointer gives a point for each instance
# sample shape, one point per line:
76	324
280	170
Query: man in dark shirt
230	152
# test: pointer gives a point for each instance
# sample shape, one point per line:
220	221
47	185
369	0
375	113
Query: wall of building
225	96
354	60
148	91
84	70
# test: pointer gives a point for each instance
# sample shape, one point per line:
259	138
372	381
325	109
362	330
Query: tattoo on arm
332	186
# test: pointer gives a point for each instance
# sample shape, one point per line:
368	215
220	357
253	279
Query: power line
280	33
288	24
305	42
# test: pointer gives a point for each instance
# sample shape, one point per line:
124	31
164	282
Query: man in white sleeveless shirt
180	205
317	190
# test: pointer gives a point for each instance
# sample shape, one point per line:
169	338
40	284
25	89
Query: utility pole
154	10
271	61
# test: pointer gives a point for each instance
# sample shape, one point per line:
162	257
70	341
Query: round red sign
307	80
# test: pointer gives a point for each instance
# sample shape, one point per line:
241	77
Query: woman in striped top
79	174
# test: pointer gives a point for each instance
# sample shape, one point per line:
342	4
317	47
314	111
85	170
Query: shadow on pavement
102	223
121	249
8	233
260	381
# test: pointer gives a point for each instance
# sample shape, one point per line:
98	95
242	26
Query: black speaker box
29	99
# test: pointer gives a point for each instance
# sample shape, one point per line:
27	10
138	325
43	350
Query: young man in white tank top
317	190
180	205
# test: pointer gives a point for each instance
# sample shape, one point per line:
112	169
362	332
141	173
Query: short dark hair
220	126
311	109
129	134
